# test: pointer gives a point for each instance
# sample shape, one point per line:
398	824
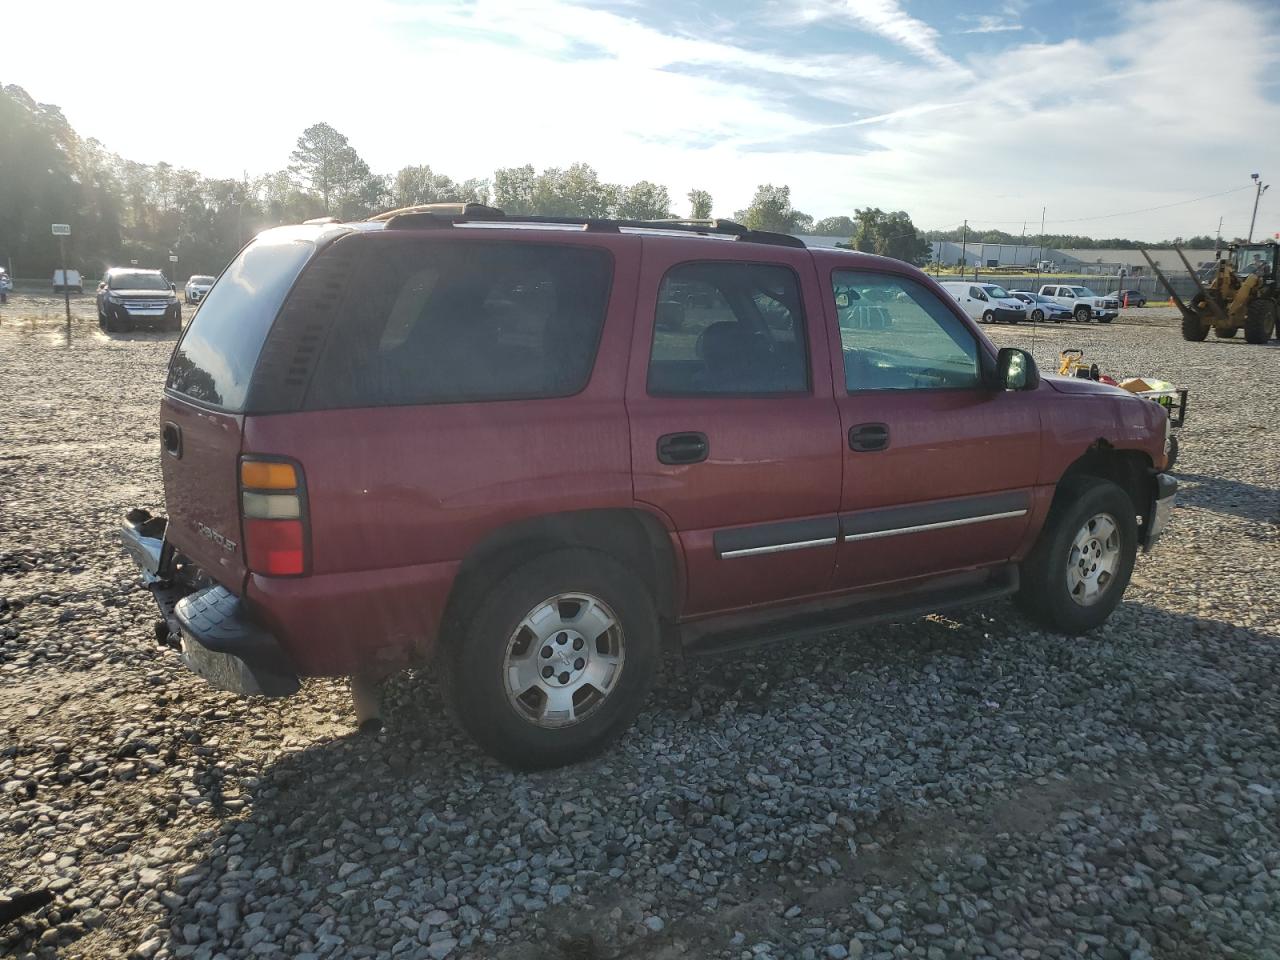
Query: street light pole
1261	188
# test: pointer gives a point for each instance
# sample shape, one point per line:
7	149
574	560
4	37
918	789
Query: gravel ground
956	787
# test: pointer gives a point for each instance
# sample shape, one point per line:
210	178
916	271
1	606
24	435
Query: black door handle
677	448
869	437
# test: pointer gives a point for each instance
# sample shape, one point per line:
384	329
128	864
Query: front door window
896	334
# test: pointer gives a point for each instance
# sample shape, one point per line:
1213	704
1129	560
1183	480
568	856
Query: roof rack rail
433	215
470	211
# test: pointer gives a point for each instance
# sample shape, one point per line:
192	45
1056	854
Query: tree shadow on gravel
860	746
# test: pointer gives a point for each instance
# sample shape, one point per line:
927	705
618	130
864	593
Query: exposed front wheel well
634	538
1128	469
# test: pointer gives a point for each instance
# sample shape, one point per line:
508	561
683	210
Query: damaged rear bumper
218	638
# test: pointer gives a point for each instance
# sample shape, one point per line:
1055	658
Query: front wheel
1083	314
1193	328
988	317
555	661
1078	570
1037	316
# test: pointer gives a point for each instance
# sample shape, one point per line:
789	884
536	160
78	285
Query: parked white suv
1084	304
197	287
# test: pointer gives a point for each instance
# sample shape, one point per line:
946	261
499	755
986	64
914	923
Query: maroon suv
529	450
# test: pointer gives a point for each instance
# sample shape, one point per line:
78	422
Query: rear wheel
1083	314
555	661
1260	321
1193	327
988	317
1078	570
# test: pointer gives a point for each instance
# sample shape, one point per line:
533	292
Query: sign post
173	261
62	231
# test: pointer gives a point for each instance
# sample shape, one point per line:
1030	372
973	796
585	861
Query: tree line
1062	241
121	210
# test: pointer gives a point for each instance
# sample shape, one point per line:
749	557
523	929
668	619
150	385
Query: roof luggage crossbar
432	215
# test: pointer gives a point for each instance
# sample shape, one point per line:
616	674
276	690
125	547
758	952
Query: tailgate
201	449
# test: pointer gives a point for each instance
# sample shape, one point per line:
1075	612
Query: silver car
1040	308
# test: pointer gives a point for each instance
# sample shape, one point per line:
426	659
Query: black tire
475	684
1171	455
1044	595
1259	321
109	322
988	317
1037	316
1105	319
1225	333
1193	328
1082	314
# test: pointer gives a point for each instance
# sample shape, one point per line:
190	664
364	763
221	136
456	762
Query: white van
988	302
72	281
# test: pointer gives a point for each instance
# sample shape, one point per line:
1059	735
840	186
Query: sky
1094	111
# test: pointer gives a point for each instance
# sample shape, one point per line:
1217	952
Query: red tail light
274	513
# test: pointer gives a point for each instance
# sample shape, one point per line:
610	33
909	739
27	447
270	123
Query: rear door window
728	328
215	358
452	323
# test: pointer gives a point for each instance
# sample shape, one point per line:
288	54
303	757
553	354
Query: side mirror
982	296
1015	370
173	287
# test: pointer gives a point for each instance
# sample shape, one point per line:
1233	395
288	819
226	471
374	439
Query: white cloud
986	23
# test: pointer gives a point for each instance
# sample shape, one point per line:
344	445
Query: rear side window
452	323
728	328
216	356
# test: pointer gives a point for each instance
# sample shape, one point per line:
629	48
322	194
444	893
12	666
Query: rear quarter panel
399	495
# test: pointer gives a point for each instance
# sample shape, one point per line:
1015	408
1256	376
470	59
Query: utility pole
1040	256
1261	189
1217	242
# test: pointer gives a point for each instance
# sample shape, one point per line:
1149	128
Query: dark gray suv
129	298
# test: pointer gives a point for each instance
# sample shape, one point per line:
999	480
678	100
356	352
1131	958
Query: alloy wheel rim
563	660
1093	559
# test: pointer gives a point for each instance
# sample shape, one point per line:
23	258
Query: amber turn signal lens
268	475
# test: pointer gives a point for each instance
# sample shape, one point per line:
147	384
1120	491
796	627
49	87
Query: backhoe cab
1240	292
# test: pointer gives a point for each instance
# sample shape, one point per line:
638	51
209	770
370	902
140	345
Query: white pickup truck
1084	304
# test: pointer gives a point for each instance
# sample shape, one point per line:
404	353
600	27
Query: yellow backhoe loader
1240	294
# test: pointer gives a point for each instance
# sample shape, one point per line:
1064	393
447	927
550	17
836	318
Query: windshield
201	280
138	280
1253	260
1000	293
1083	292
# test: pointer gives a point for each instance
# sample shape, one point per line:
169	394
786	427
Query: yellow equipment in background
1241	294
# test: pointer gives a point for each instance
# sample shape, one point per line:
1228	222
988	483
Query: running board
743	631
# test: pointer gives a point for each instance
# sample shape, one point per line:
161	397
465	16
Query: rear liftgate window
451	323
215	360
